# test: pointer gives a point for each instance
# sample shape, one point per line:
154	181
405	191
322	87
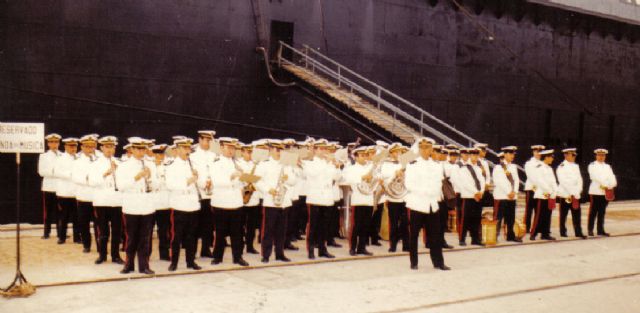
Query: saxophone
281	189
248	189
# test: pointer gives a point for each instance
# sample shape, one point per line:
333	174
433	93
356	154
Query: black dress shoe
311	256
590	233
194	266
376	243
291	247
251	250
173	267
117	261
264	260
563	235
126	270
352	252
477	243
86	250
45	237
581	236
241	262
414	267
283	259
61	241
165	258
334	244
326	254
532	238
216	261
147	271
100	260
364	252
392	250
604	234
447	246
443	267
405	250
515	240
547	238
462	243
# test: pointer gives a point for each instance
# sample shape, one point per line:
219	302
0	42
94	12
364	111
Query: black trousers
109	221
138	235
251	224
85	215
530	206
443	212
334	223
162	218
360	228
576	218
317	221
597	210
398	226
228	223
292	222
274	227
505	210
302	215
542	220
417	221
65	208
206	226
184	226
374	226
49	211
469	220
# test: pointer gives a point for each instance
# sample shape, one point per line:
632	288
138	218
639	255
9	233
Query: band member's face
172	152
548	159
138	152
129	151
53	144
509	157
536	154
159	156
601	157
228	150
483	153
275	153
246	154
321	150
442	157
425	151
474	157
88	148
570	157
361	158
183	152
395	154
204	143
71	149
108	150
148	152
453	158
464	157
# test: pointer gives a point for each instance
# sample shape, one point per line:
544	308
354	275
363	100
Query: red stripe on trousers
461	220
351	225
44	209
308	225
526	207
496	207
532	231
173	233
264	220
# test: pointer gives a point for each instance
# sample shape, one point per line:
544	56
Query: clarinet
113	174
192	172
147	187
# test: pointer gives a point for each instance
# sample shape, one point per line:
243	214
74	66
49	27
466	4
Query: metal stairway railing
385	100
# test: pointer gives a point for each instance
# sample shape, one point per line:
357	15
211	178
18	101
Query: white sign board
21	137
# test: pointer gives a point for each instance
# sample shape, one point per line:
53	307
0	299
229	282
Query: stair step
354	102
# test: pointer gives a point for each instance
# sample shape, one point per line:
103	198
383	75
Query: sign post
20	138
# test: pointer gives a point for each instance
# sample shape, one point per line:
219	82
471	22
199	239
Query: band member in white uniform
227	203
505	193
471	186
320	172
398	226
276	185
66	190
603	182
107	200
569	190
133	180
46	166
160	194
202	158
544	180
251	209
529	187
84	192
181	179
361	203
423	180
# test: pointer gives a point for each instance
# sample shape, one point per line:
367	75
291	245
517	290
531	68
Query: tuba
396	189
369	187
